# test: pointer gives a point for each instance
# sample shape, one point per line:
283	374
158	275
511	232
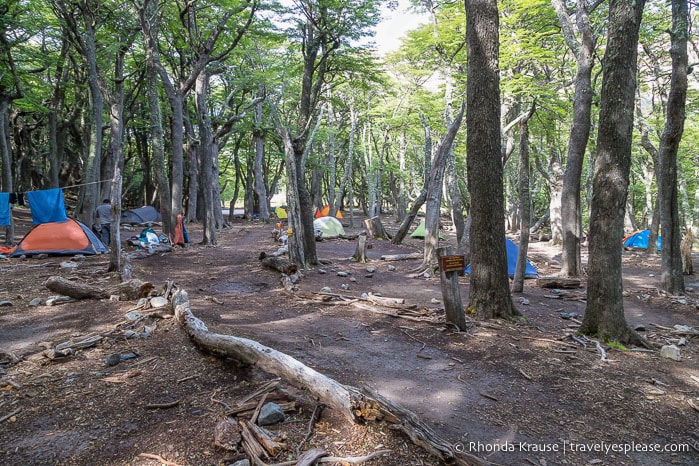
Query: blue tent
639	239
512	252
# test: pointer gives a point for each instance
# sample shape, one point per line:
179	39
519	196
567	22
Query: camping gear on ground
325	211
639	240
420	231
328	227
47	205
142	215
181	236
512	253
69	237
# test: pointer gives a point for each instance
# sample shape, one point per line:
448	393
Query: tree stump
376	228
360	251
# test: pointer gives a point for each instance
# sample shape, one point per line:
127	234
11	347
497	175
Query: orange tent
69	237
325	212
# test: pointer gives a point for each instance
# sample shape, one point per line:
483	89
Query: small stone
523	301
69	265
345	286
391	268
353	280
326	289
364	296
322	271
270	413
670	352
683	328
682	342
369	275
35	302
342	274
6	303
370	269
133	315
158	302
640	328
112	360
245	462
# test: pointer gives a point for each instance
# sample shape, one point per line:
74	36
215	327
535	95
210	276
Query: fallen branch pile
355	404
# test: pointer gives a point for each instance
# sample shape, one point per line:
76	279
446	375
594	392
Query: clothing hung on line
47	205
5	214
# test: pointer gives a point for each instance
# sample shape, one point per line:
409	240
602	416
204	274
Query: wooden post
450	267
114	228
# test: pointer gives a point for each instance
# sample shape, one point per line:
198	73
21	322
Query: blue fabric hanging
5	219
47	206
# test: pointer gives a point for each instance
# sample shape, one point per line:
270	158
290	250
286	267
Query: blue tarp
640	240
512	252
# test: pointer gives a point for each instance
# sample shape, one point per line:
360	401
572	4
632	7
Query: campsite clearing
509	392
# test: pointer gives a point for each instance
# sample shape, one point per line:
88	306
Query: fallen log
127	291
278	263
402	257
356	405
558	282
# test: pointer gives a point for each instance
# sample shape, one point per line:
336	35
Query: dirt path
514	393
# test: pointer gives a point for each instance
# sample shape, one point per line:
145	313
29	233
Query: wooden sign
452	264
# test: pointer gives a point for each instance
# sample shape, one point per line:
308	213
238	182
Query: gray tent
145	214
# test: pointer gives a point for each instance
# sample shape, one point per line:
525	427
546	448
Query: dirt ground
511	393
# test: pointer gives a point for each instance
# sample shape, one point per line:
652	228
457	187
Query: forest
500	116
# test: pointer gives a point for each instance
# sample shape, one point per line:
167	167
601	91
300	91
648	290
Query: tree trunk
490	294
260	188
433	200
604	313
571	213
671	278
525	203
147	14
347	177
90	191
207	160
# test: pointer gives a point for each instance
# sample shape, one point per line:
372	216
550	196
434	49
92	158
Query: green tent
280	212
420	231
329	227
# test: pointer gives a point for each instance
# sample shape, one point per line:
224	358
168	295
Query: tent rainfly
639	240
145	214
512	252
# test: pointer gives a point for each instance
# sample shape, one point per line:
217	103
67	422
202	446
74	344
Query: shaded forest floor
509	392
